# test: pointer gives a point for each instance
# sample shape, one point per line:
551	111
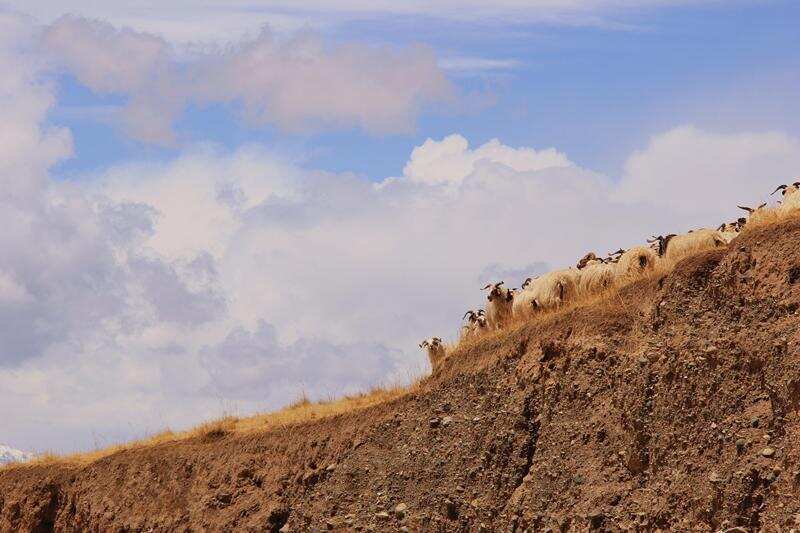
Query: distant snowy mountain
10	455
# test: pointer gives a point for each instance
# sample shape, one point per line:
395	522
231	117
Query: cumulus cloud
299	84
698	173
450	160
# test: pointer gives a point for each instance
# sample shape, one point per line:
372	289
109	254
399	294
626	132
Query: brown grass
300	411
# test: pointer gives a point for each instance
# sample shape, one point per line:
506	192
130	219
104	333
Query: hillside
671	405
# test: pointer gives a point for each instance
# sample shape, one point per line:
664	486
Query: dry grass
300	411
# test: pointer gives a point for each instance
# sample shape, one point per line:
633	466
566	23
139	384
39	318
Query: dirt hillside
672	406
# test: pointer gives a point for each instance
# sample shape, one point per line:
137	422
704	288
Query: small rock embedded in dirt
596	519
754	422
400	510
741	444
450	509
714	477
434	422
383	515
446	421
577	478
331	467
768	452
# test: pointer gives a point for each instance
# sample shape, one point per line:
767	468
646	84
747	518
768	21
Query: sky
215	209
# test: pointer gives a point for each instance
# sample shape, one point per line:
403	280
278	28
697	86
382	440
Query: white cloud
299	84
697	173
450	160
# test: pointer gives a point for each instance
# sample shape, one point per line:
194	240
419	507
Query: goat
498	310
673	248
436	351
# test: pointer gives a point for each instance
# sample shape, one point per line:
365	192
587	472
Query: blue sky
595	92
201	217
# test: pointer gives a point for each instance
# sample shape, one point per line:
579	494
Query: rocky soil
671	407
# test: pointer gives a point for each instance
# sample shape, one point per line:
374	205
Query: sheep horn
486	287
467	314
762	206
780	187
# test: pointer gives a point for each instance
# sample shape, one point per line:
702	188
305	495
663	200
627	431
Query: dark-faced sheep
673	248
498	307
436	351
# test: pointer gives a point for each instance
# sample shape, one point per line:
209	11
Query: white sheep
476	324
635	262
791	197
754	214
436	351
730	230
673	248
596	275
498	308
546	292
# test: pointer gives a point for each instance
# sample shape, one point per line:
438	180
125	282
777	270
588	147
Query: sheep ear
499	283
486	287
779	188
721	227
796	184
748	209
762	205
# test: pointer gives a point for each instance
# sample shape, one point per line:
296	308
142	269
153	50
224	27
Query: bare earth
673	406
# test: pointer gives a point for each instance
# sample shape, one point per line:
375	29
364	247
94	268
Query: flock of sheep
593	275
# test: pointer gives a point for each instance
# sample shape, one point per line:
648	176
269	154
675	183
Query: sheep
791	196
553	289
596	275
730	230
634	262
673	248
754	214
498	310
476	324
436	351
524	301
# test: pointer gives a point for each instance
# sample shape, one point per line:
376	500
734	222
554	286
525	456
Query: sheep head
752	210
660	243
781	188
586	259
495	291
